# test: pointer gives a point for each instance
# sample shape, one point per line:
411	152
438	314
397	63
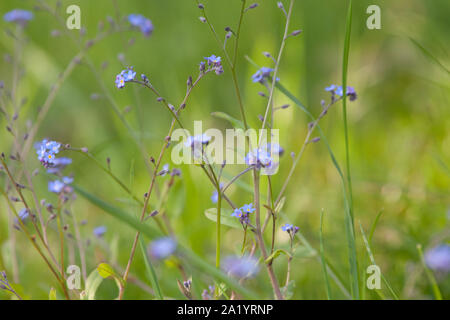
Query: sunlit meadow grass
93	205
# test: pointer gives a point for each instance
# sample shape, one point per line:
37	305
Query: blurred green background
399	131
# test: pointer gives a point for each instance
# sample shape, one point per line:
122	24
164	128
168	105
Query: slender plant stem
277	65
33	242
259	238
218	226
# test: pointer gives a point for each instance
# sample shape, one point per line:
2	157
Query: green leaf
275	254
106	271
288	291
151	272
52	294
225	218
92	283
235	122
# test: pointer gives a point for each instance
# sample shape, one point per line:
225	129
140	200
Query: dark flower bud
295	33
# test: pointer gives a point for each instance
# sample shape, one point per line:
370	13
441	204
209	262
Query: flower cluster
46	151
125	76
141	22
197	143
291	230
262	75
18	16
339	91
263	157
213	63
208	294
61	186
241	267
198	140
243	213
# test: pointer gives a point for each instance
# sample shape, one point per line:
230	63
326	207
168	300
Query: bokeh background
399	131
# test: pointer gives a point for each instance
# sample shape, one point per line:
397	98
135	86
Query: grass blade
350	228
151	233
431	278
429	55
372	260
151	272
322	256
374	225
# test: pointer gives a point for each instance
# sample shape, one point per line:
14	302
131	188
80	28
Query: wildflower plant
263	236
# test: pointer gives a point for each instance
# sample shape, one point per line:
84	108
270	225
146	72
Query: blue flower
67	180
56	186
274	148
162	248
351	93
241	267
243	213
248	208
438	258
237	213
46	151
213	60
24	214
331	88
214	63
259	157
125	76
338	90
100	231
18	16
59	186
120	81
144	24
289	228
262	75
128	74
199	139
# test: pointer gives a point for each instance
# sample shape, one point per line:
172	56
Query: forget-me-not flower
141	22
262	75
125	76
438	258
18	16
46	151
100	231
